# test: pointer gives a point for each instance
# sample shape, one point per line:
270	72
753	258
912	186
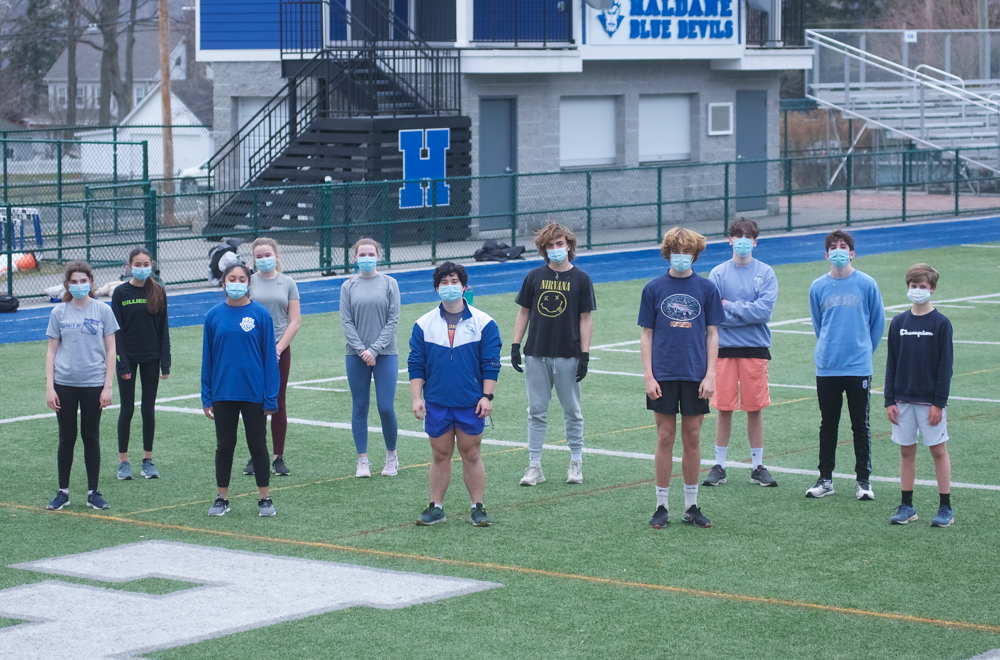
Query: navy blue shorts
442	419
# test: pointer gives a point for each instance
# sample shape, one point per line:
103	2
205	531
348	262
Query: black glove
515	358
581	369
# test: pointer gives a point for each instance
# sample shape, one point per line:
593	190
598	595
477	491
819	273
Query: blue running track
323	296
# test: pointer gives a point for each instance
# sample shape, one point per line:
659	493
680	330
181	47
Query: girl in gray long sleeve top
369	312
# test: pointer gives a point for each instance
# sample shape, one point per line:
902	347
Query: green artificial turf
583	574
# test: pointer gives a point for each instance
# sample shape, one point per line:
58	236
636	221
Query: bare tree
72	36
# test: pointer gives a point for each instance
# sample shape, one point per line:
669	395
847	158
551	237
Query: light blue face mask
840	257
558	255
267	264
367	264
680	262
743	246
141	273
79	290
236	290
450	292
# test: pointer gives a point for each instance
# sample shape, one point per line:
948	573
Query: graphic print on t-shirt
552	304
681	309
247	323
91	326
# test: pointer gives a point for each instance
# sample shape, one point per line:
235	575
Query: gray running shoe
391	468
149	470
220	508
279	467
822	488
266	507
715	476
575	473
763	478
865	492
124	471
249	468
533	476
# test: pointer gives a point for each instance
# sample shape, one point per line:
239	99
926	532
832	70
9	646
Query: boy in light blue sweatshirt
848	317
749	291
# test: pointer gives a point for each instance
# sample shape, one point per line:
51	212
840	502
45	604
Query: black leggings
150	374
831	390
88	401
227	419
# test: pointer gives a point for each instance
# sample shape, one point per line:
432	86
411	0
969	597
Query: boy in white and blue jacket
454	361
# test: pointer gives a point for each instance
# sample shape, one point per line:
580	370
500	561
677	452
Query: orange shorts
741	383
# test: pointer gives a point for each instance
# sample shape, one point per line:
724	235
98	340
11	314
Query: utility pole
984	40
168	133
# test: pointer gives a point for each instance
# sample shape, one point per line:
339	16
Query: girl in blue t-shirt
239	378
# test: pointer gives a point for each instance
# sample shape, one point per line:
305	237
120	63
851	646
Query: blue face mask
450	292
141	273
840	258
558	255
267	264
743	246
236	290
367	264
680	262
79	290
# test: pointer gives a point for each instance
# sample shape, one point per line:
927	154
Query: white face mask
919	296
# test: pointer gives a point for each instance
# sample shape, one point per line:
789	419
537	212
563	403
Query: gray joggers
540	374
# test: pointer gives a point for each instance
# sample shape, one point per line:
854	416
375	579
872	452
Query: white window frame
604	161
708	123
647	160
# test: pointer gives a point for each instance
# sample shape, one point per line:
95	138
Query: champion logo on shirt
247	323
903	332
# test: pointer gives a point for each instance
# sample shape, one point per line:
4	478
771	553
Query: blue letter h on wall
415	193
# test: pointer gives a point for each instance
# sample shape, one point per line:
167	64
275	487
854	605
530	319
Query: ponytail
156	296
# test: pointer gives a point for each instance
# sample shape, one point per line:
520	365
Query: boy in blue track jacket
454	361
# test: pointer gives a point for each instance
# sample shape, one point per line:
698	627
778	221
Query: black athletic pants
150	375
88	401
830	390
227	419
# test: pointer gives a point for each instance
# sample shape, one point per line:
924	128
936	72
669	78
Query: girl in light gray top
369	312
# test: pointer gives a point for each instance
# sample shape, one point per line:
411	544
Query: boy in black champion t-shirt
556	301
917	381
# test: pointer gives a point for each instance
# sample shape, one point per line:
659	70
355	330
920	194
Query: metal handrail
939	71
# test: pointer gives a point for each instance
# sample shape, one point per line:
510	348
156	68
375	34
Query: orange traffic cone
26	262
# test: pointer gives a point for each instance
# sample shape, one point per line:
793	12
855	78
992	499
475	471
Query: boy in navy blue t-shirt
679	315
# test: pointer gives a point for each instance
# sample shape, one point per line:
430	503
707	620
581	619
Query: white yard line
795	332
318	389
993	247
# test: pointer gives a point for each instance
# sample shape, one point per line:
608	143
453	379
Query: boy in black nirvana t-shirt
556	301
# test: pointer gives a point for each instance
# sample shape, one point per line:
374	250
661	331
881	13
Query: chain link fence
316	225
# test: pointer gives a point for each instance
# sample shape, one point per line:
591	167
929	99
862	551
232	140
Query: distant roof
197	96
145	57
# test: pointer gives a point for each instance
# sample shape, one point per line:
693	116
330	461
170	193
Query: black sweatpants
831	390
227	419
88	401
150	375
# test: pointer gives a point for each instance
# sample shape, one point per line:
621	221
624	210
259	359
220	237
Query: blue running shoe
61	500
124	471
944	517
431	516
905	513
479	517
96	501
149	470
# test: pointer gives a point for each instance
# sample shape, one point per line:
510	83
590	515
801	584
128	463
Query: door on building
497	156
751	145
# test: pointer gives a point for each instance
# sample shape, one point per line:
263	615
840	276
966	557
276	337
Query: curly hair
551	232
839	235
678	239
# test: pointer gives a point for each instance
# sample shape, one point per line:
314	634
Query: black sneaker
249	468
220	508
265	507
762	477
479	517
715	476
279	467
431	516
661	518
96	501
694	516
61	500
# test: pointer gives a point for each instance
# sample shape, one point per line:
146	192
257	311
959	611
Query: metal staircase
308	132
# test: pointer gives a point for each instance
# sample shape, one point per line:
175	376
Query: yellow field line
903	618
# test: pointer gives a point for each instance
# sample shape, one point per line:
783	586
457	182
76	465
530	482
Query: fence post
145	160
9	233
325	215
59	206
255	213
904	156
958	173
5	168
849	180
86	219
114	173
152	240
513	208
347	226
386	225
788	189
588	211
659	203
725	216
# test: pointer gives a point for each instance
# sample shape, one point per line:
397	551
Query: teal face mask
450	292
743	246
267	264
681	262
367	264
79	290
236	290
141	273
557	256
840	257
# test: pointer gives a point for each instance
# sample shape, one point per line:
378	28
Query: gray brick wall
235	79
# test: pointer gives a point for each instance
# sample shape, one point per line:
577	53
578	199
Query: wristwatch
488	397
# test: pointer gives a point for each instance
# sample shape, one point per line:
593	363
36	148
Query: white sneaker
533	476
391	468
363	470
575	474
822	488
865	491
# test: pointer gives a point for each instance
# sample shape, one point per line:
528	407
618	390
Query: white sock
437	504
576	456
720	455
389	454
756	456
661	497
533	463
64	490
690	496
90	492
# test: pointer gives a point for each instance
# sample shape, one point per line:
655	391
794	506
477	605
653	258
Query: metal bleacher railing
605	207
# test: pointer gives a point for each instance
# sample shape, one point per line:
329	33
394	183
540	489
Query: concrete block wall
236	79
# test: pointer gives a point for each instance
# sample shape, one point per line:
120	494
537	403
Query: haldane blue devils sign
424	153
652	22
